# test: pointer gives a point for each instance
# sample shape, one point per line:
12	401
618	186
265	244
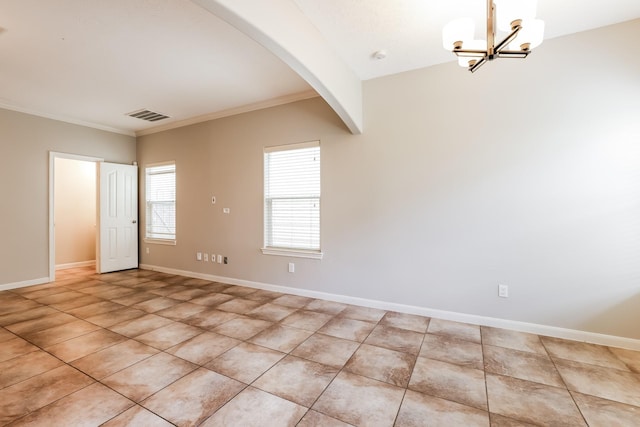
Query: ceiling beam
282	28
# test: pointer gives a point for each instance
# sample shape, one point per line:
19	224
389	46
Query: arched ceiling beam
281	27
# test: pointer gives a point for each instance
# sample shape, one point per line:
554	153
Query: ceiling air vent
148	115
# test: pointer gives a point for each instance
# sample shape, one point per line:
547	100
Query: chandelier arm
520	54
478	64
508	39
470	53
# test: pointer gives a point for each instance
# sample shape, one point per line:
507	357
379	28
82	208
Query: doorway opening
75	213
72	211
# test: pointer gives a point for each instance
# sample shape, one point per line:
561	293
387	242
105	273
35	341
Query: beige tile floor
144	348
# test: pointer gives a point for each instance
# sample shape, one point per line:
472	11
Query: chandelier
514	17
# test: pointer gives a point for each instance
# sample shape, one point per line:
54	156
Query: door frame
53	155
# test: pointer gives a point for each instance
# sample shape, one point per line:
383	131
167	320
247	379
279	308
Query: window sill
160	241
298	253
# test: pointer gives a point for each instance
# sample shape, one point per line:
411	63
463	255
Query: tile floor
150	349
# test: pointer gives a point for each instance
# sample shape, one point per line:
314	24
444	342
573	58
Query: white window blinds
292	197
160	193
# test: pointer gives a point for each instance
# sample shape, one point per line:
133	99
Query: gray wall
25	143
525	174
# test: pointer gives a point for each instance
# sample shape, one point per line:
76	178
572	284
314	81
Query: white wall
525	174
75	211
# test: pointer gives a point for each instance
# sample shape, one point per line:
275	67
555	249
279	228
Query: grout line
563	380
484	373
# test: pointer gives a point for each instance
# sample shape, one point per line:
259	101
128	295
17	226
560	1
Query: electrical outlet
199	256
226	210
206	257
213	200
503	291
226	260
213	257
219	259
292	267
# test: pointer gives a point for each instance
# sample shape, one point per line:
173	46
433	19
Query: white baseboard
24	284
551	331
91	263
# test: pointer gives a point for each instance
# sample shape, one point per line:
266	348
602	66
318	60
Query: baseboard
24	284
534	328
91	263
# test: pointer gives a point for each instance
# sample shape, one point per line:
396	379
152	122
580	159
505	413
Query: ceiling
93	61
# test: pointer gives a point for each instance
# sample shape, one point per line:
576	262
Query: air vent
148	115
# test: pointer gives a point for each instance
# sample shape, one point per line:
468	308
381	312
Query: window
160	193
292	200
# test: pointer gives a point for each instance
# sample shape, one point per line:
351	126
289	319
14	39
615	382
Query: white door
117	240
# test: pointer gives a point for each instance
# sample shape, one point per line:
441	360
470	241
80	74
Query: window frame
160	240
289	251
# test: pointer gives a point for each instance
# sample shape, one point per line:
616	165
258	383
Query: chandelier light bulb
467	62
508	11
532	33
458	30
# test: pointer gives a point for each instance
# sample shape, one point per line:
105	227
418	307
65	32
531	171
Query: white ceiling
411	30
93	61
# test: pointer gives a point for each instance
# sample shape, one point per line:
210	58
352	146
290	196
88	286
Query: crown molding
65	119
274	102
